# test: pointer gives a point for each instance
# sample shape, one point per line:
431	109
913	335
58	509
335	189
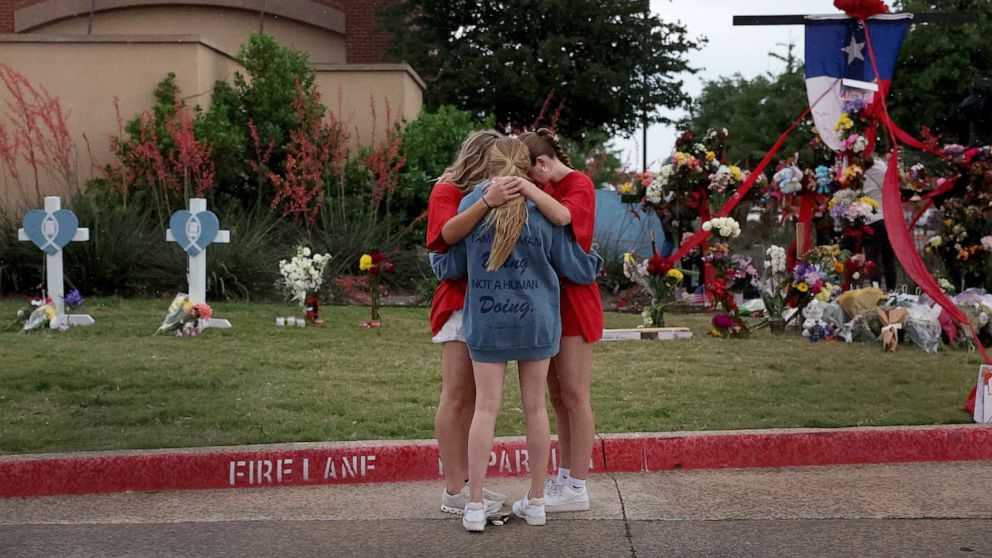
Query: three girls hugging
510	228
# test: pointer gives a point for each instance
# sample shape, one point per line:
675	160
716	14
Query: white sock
578	485
562	475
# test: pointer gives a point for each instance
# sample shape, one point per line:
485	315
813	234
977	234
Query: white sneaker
564	498
474	517
455	503
530	510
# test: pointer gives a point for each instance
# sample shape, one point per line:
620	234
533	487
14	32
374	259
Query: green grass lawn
116	386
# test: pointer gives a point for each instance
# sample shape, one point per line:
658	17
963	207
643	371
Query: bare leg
533	375
488	397
574	367
454	413
561	415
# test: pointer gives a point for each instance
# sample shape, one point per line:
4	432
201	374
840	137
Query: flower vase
375	320
657	315
311	306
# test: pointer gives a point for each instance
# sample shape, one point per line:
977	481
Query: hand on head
505	188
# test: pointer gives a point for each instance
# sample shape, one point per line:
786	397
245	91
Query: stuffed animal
824	182
814	327
855	303
789	180
892	320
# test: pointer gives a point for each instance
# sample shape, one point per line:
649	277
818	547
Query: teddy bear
815	327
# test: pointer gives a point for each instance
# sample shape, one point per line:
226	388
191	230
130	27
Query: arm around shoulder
571	261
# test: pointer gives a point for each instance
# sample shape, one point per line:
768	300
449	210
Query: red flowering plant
374	265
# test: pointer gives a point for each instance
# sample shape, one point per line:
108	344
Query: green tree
755	111
606	62
430	144
937	66
265	96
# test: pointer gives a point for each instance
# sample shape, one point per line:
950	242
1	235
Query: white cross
196	274
54	278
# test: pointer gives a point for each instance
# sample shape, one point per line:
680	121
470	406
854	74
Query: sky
729	50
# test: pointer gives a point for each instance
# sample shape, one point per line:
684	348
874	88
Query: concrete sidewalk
919	509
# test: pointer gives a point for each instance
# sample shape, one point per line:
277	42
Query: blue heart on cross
194	231
50	231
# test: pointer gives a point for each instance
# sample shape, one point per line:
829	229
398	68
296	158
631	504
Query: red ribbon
899	236
806	209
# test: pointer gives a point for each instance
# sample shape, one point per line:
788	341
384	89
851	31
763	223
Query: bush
430	143
21	263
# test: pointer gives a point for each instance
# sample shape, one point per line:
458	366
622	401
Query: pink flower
204	311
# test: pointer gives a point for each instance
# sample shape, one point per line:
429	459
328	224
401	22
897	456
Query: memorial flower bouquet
373	266
185	318
36	315
681	187
723	184
774	288
302	277
659	277
851	208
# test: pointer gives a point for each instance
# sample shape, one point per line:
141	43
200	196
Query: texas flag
839	73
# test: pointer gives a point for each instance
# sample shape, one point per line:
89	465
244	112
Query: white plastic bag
983	395
923	326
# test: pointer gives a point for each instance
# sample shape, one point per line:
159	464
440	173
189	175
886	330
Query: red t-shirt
581	305
450	294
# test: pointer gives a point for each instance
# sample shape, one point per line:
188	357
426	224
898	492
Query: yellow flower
710	155
626	188
628	259
948	222
802	287
844	123
839	267
736	173
365	262
675	274
187	306
825	293
869	201
50	311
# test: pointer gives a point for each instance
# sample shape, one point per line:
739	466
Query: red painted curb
366	462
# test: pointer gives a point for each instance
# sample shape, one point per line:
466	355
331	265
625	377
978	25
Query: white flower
707	226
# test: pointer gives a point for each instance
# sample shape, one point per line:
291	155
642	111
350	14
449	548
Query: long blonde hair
507	157
471	165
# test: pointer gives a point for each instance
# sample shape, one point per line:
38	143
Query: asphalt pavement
905	510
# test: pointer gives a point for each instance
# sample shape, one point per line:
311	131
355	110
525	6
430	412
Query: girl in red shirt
570	375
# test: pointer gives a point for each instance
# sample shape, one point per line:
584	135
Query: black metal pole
796	19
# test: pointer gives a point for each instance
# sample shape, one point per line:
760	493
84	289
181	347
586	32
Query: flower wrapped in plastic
185	318
41	316
659	277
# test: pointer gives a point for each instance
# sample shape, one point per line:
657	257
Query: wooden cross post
194	231
763	20
51	229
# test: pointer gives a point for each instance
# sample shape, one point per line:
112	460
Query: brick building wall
365	44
